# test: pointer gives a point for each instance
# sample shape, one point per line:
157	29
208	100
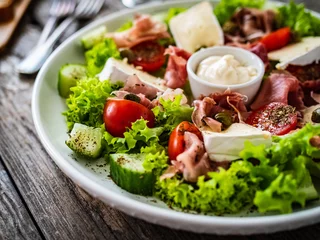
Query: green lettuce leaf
156	159
171	113
227	191
226	8
86	102
135	138
99	54
127	25
172	12
291	145
272	179
293	185
301	21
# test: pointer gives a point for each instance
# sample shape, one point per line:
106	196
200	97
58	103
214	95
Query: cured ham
143	99
257	48
202	115
192	163
176	72
282	87
207	107
135	85
249	24
144	29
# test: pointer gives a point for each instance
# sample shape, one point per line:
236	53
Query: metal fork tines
59	9
84	10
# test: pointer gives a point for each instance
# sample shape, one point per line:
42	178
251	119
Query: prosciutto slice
280	86
202	115
176	72
207	107
310	88
192	163
249	24
135	85
143	99
257	48
144	29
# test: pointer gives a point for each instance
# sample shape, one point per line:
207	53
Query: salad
132	104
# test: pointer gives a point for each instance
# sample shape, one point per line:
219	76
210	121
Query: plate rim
165	217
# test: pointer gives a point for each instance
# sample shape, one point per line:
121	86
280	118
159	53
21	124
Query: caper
127	53
230	27
132	97
316	116
225	118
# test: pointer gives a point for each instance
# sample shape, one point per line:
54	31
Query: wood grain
15	221
59	209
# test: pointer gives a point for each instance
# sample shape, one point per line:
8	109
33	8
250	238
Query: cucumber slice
86	141
128	173
69	74
93	37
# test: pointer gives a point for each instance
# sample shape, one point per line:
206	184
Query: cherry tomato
277	118
277	39
119	114
149	55
176	140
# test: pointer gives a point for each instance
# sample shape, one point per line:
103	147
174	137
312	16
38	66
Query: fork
85	9
59	9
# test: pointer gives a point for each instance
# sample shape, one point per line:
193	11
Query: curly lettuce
172	12
135	139
170	113
299	19
227	191
125	26
271	179
99	54
226	8
86	102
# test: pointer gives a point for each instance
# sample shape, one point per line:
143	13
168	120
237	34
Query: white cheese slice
226	145
118	71
292	51
197	27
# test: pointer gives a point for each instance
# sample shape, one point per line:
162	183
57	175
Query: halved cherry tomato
176	140
119	114
277	39
149	55
277	118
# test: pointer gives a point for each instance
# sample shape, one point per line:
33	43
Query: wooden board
14	217
7	28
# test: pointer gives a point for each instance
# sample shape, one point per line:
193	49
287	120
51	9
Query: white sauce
225	70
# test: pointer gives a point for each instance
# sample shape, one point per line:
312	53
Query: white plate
51	127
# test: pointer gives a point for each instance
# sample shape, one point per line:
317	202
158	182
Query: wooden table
37	200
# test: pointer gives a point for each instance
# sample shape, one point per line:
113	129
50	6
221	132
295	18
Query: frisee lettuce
226	8
86	102
99	54
299	19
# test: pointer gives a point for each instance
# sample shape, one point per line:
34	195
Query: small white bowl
203	87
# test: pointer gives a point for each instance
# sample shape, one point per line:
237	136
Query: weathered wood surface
36	199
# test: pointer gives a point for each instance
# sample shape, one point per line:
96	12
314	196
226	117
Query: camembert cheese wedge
118	71
226	145
197	27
